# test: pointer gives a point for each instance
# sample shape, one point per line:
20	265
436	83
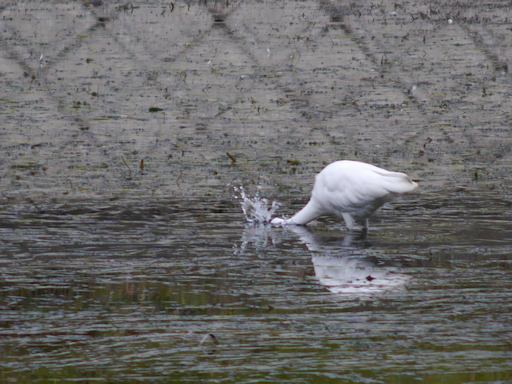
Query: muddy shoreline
258	91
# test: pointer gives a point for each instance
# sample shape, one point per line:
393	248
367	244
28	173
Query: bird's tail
398	182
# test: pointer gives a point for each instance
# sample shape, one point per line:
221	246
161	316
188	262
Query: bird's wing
359	185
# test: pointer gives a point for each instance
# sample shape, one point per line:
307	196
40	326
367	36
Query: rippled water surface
186	291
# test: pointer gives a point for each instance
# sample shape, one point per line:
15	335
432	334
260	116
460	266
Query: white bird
352	190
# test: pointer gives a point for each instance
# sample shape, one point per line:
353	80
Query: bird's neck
310	212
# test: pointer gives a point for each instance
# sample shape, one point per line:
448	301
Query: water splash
256	209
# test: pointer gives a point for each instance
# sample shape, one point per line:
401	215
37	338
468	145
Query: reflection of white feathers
352	190
351	272
352	275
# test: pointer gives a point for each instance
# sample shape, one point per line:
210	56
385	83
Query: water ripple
92	291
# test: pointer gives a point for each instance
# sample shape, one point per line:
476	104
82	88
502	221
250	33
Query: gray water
187	291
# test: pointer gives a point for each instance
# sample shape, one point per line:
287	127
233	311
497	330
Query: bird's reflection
347	266
352	275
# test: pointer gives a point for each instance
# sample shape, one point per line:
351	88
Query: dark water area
186	291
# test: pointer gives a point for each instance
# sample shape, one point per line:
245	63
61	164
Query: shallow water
188	291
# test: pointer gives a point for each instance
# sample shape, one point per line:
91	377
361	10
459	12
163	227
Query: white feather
352	190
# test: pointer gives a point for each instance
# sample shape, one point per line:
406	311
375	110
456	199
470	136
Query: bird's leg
355	225
363	235
349	221
364	230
